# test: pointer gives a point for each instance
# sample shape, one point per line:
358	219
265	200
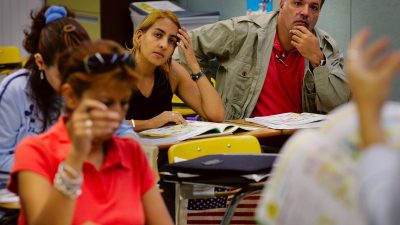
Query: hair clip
69	28
54	13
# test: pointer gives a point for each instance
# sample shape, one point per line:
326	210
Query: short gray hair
322	2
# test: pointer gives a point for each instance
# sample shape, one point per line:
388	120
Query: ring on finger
88	123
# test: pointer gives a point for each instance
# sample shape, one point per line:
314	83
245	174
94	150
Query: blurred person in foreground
79	172
371	71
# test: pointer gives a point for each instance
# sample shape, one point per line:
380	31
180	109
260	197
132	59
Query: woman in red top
79	172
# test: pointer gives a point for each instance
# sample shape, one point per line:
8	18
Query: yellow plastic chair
10	58
179	106
245	144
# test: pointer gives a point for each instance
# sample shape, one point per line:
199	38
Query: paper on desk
290	120
7	196
186	175
256	177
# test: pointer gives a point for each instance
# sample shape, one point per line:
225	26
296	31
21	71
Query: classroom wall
383	18
14	18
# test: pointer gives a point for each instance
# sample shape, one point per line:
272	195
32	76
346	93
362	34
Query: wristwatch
197	76
321	63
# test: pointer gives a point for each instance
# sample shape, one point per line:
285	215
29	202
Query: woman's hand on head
167	117
185	44
91	120
370	70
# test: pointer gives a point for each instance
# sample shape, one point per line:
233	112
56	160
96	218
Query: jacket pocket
242	78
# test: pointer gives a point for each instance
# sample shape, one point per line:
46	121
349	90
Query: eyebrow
162	31
315	4
159	29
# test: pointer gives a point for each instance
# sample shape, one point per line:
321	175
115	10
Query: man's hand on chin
307	44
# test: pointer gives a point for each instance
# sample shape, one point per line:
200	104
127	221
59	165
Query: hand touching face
185	44
97	114
307	44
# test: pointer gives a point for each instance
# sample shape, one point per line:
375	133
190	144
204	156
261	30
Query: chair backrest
10	59
245	144
9	55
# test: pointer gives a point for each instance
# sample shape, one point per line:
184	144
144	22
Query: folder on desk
226	164
222	169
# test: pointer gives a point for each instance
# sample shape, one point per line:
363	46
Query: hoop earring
41	75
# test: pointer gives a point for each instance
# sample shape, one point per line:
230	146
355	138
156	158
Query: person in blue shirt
29	102
371	72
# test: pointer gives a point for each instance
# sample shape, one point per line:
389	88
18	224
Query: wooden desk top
10	205
263	132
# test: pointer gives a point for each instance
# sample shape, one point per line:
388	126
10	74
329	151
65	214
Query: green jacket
243	45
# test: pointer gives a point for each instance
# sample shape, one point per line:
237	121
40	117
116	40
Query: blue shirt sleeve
11	105
125	129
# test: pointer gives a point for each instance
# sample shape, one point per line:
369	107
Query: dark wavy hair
49	40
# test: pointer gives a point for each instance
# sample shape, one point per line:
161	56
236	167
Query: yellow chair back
9	55
10	59
179	106
245	144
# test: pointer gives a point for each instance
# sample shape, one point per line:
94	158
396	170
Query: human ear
39	61
139	36
70	98
281	3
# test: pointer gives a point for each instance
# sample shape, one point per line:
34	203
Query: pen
280	60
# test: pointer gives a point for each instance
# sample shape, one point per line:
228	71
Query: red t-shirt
112	195
283	84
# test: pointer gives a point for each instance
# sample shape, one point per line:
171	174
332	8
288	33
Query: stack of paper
290	120
189	130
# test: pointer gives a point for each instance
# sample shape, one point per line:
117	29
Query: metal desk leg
230	210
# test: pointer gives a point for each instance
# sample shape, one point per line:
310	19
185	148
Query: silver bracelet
133	123
70	187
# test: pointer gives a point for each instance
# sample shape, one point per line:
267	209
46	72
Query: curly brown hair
49	40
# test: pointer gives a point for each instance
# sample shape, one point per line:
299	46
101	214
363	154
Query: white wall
383	18
14	18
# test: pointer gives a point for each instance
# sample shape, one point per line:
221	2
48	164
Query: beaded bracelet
70	187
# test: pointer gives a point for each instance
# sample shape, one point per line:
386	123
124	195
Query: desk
271	140
10	205
261	133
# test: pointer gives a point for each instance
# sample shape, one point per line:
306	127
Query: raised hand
185	44
370	70
90	120
307	44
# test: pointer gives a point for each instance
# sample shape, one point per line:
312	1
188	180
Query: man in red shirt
274	62
293	44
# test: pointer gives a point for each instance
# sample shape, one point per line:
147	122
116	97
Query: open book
191	130
290	120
